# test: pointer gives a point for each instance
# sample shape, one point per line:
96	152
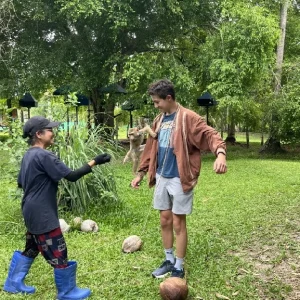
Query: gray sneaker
165	268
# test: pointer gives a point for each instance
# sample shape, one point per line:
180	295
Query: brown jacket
191	135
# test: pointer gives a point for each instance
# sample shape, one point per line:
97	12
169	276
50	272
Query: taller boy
173	162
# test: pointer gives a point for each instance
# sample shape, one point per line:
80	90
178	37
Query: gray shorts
168	194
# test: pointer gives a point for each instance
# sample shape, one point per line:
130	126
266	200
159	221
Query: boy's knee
179	224
166	219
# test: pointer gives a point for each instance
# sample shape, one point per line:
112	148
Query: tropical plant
76	150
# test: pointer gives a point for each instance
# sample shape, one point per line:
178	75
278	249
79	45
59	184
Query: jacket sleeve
204	137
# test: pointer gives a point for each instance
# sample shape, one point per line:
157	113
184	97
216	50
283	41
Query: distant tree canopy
226	47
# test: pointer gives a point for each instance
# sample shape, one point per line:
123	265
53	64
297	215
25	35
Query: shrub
4	137
96	188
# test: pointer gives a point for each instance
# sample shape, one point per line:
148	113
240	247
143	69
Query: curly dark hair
162	89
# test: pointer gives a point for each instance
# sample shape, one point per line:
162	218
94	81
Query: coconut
173	288
77	222
64	226
89	226
131	244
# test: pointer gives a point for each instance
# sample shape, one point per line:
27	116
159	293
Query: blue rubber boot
19	267
65	280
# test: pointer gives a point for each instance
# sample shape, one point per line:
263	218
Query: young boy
173	163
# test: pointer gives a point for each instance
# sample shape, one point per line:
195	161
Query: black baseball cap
36	124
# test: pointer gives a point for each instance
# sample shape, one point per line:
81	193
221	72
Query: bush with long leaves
76	149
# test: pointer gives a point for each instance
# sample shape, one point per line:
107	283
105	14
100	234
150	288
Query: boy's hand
220	166
136	182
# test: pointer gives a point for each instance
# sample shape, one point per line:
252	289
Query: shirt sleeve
78	173
54	167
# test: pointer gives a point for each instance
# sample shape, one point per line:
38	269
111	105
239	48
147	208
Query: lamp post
128	106
64	91
82	101
207	100
27	101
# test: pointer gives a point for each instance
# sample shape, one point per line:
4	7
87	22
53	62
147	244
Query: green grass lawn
244	235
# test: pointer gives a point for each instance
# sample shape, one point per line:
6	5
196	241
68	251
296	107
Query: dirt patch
276	267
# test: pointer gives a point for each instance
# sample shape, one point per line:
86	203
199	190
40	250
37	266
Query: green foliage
241	55
142	69
93	189
4	137
15	147
288	104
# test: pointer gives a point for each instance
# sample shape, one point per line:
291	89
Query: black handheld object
102	159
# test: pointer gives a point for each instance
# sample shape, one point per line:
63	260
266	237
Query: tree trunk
222	126
247	137
231	132
98	107
273	143
280	47
103	112
262	138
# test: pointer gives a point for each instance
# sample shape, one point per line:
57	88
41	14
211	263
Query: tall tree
273	142
239	56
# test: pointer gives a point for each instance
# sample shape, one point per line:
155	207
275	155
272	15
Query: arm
148	130
78	173
87	168
145	158
205	137
57	170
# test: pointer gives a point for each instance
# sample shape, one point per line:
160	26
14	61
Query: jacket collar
161	116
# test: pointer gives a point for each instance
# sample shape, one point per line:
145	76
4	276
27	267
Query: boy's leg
166	224
182	206
162	202
179	224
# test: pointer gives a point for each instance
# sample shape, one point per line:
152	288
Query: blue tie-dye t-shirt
167	167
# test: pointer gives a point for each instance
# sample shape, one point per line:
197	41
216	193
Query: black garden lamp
206	100
28	101
64	91
128	106
82	101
